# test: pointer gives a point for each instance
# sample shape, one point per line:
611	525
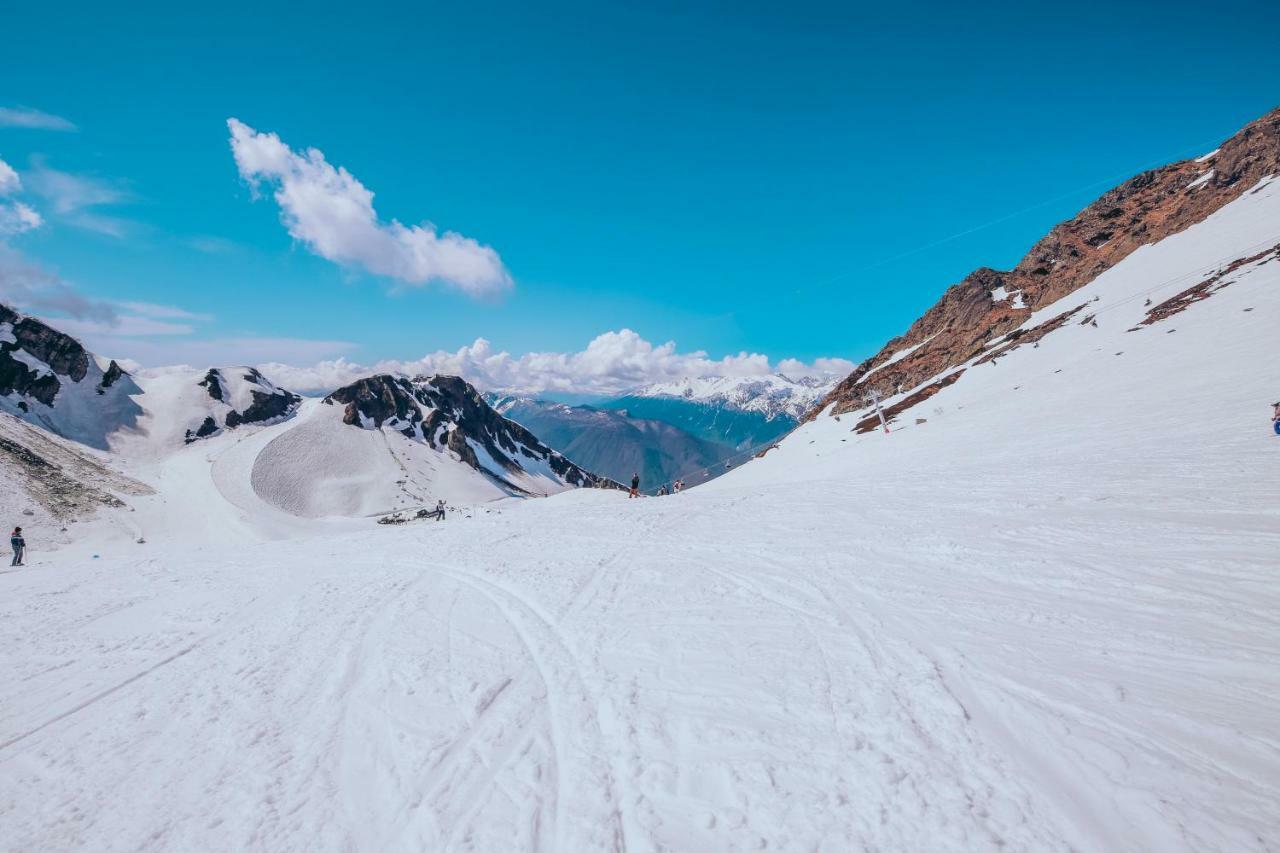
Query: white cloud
611	363
10	183
75	198
125	325
32	119
163	312
331	212
30	287
206	352
15	216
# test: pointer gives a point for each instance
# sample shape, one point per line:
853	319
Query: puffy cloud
332	213
611	363
32	119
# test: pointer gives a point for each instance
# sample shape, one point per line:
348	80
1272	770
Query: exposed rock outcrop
446	412
238	396
48	378
990	303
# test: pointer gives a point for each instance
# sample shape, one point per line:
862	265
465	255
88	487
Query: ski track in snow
386	691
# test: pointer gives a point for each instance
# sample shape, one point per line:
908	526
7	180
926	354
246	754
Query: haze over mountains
1039	614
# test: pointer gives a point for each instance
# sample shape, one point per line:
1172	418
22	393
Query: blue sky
732	176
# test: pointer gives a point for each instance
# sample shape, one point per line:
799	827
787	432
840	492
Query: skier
439	510
1275	417
635	486
679	486
19	546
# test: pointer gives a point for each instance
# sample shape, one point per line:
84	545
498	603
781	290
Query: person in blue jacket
19	546
1275	417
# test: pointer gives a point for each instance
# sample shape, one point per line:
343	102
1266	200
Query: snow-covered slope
183	404
49	379
53	486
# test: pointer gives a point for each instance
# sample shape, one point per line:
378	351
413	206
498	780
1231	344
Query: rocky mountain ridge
447	412
974	314
49	379
240	395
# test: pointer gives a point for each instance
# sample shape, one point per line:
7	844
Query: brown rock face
1142	210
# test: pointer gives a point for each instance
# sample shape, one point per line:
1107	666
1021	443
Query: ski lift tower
873	397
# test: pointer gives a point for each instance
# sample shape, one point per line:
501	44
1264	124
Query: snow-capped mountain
617	445
47	378
772	395
738	412
184	404
447	412
377	445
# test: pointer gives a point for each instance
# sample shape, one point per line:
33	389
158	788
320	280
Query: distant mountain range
615	444
692	429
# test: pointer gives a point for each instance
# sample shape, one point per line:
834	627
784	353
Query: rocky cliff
990	303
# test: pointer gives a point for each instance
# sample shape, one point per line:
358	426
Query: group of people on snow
674	489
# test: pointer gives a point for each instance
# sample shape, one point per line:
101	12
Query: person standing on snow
439	510
635	486
1275	417
19	546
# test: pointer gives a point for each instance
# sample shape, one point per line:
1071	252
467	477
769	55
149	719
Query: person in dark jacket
438	512
19	546
635	486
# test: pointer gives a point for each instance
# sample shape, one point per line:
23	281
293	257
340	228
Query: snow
897	356
35	365
1001	293
1203	157
1203	179
769	394
1043	620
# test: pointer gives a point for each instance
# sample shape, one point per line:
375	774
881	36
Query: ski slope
1044	619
